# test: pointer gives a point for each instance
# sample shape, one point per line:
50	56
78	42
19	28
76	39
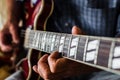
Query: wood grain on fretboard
100	52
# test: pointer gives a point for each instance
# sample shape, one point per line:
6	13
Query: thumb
76	30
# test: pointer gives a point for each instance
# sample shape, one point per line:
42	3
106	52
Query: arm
10	27
9	33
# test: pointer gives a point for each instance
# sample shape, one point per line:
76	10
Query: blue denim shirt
94	17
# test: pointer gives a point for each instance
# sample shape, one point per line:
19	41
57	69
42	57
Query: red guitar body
37	15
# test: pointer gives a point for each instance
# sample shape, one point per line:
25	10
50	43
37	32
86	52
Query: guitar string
102	46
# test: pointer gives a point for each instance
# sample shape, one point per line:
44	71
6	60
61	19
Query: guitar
99	52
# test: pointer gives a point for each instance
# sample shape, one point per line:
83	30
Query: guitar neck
99	52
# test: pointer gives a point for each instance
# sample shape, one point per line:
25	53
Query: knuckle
39	62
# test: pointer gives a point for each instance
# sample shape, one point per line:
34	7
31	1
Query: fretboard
100	52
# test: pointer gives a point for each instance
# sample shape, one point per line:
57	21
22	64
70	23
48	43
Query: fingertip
44	58
35	68
76	30
55	55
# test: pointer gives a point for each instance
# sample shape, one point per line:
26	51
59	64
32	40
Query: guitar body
37	15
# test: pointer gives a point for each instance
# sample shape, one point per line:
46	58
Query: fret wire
49	42
67	44
58	41
43	42
31	32
68	54
96	55
85	49
77	47
46	41
41	36
27	38
40	43
31	38
111	54
53	42
63	43
51	37
37	40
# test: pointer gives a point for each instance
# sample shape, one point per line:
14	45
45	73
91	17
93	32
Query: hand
9	38
9	33
54	67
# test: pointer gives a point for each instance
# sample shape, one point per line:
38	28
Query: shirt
94	17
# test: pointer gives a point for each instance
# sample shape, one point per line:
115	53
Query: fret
62	40
78	38
103	53
27	39
50	42
85	49
53	42
57	42
81	48
116	56
97	49
73	47
43	42
40	41
92	50
111	54
34	39
47	42
66	46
